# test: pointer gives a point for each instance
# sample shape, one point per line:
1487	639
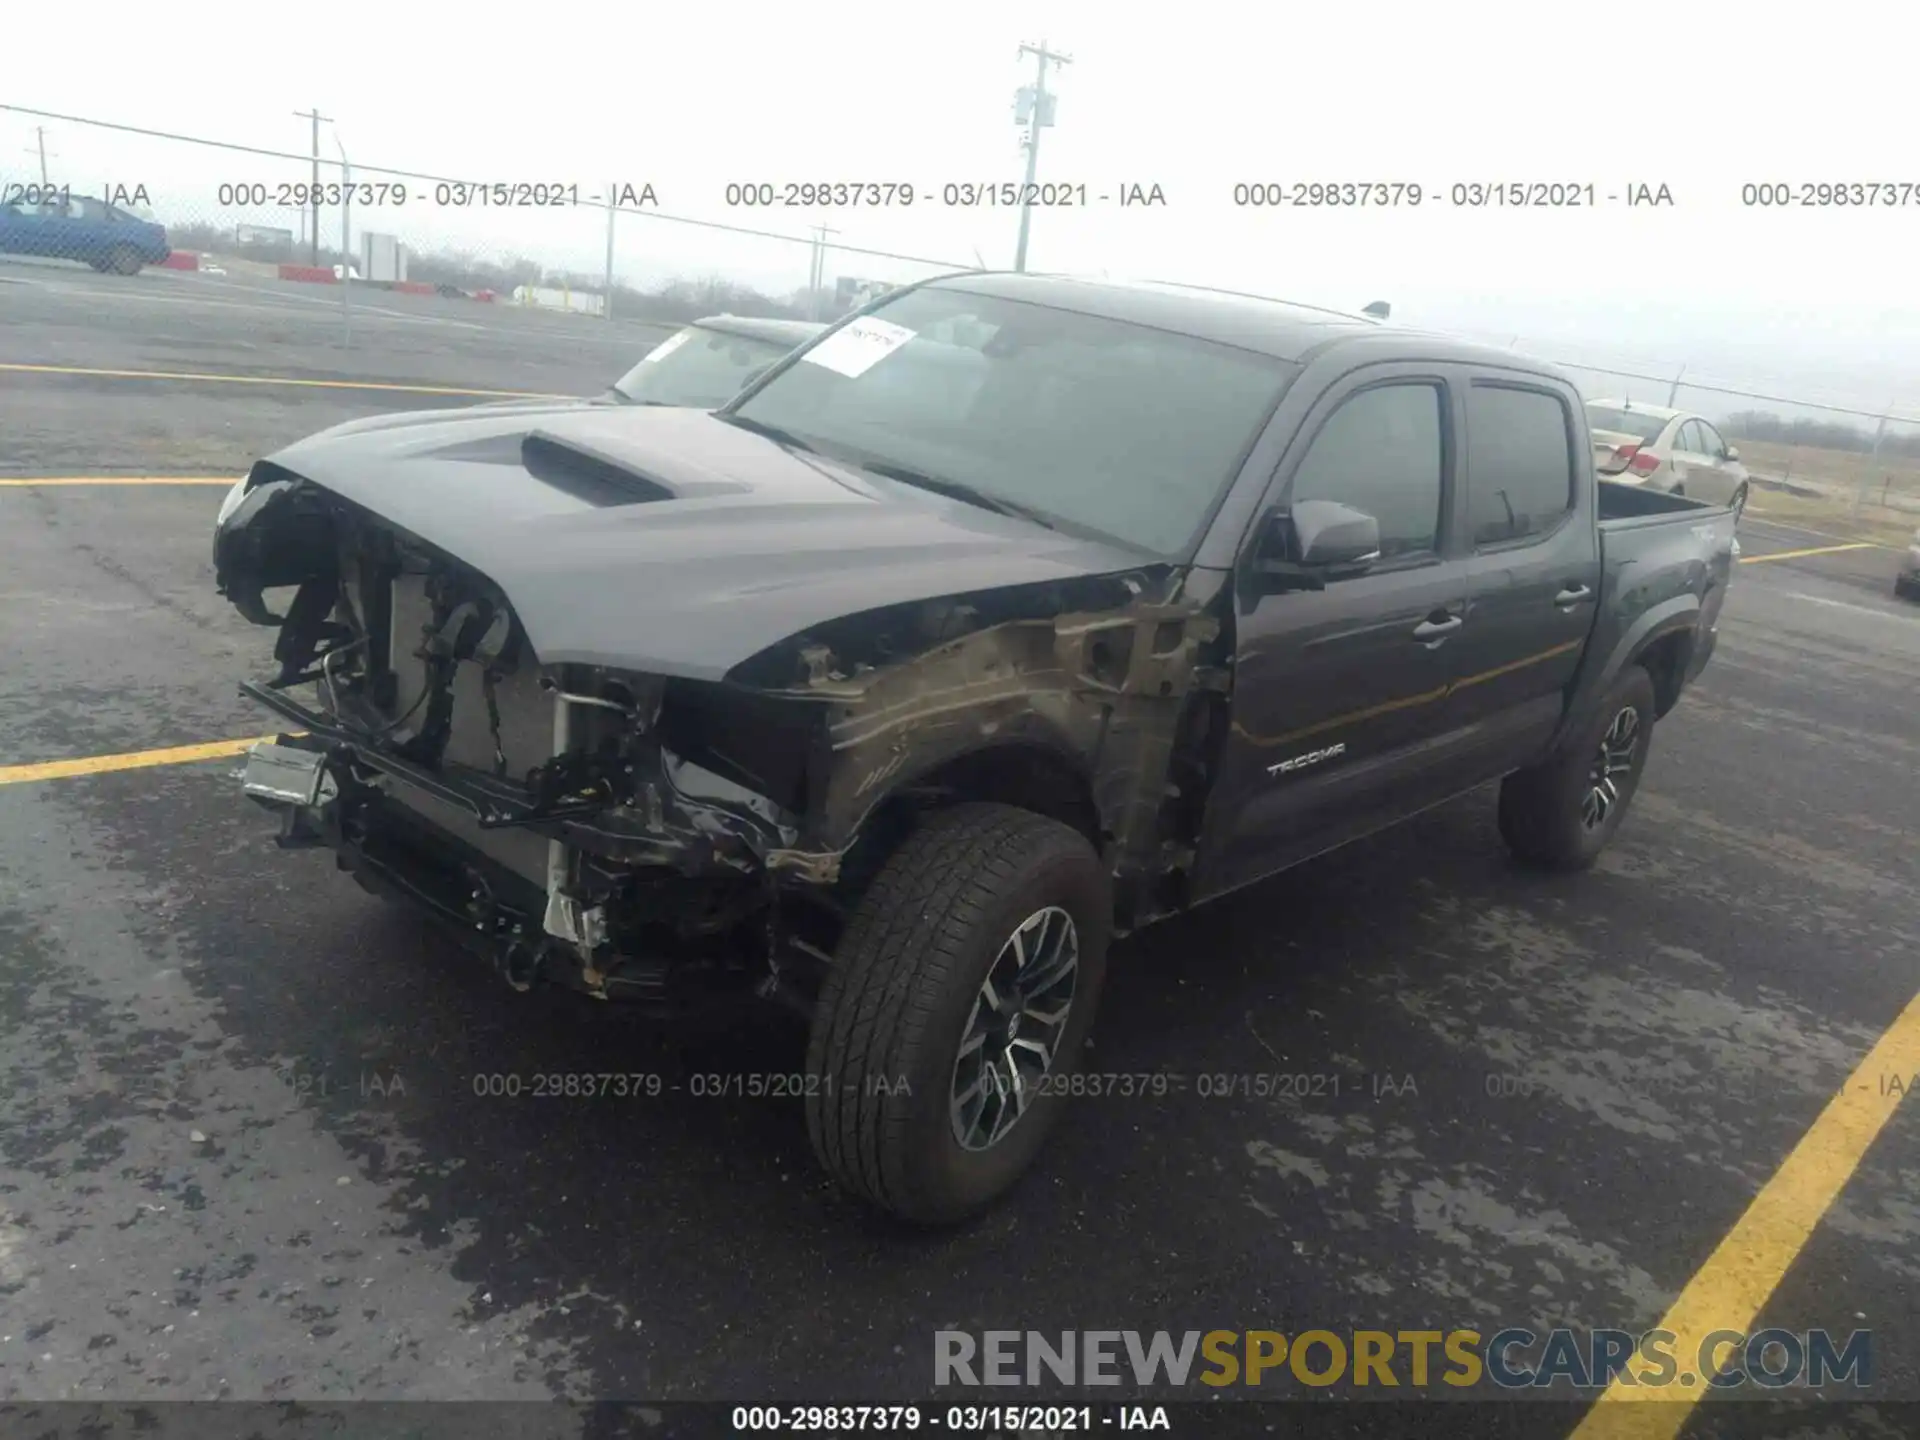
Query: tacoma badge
1312	757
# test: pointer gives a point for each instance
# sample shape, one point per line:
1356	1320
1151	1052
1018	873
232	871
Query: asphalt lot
163	322
245	1156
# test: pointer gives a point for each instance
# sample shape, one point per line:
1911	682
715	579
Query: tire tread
902	944
1536	805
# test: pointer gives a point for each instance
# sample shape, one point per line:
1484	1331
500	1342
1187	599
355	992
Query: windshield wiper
772	432
957	490
624	397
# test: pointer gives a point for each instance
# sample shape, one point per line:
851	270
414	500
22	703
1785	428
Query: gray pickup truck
1008	615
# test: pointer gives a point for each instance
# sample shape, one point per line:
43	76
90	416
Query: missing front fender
280	535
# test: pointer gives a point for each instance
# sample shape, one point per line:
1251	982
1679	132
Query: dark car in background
1906	584
710	361
56	225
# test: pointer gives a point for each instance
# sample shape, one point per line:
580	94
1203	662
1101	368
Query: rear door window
1519	463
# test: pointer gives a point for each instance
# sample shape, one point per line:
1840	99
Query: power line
813	242
455	180
1040	107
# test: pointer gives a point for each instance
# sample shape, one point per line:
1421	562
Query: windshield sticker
667	346
858	346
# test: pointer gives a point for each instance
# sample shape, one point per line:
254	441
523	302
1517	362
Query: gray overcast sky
1195	98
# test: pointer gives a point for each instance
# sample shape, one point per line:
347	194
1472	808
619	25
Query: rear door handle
1435	629
1572	595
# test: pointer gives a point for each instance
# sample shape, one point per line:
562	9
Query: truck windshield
1115	429
696	367
1643	427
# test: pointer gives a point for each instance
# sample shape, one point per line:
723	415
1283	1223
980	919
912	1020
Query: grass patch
1834	516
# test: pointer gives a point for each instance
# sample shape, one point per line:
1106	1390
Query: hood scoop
588	473
491	450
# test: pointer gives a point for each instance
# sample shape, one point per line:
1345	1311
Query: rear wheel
960	999
1560	814
1907	587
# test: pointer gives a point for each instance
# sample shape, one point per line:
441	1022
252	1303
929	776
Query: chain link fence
366	254
341	253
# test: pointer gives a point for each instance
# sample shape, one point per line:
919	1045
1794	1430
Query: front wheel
1560	814
124	260
958	1004
1739	502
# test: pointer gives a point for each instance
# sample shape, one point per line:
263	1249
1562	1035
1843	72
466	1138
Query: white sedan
1671	450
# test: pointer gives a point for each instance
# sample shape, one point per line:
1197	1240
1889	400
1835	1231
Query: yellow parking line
136	760
1767	517
1816	550
282	380
1728	1291
119	480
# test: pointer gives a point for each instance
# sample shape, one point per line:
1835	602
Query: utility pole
346	244
1880	435
606	287
817	271
1038	105
316	117
40	134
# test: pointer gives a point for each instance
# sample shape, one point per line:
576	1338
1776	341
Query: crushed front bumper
311	787
613	833
332	790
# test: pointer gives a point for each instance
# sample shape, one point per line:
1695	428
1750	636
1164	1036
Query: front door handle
1435	629
1572	595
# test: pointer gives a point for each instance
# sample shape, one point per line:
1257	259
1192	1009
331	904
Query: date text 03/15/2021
1078	1085
980	1420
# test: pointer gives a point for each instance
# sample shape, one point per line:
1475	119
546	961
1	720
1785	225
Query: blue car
60	226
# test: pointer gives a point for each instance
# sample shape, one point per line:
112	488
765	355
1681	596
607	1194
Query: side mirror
1332	536
1316	540
1733	453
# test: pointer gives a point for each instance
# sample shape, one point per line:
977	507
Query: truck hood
668	541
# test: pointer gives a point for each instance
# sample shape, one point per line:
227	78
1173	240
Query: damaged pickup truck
1008	615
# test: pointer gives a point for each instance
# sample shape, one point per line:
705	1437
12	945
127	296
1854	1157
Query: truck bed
1624	507
1665	560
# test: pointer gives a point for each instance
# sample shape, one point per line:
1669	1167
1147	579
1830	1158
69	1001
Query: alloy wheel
1613	760
1013	1031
